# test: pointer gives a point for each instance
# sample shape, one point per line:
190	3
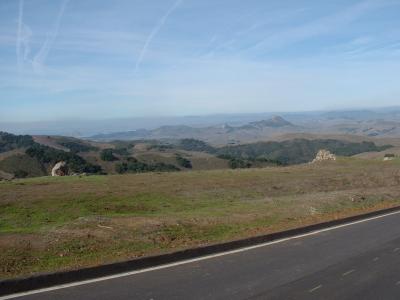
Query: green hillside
37	156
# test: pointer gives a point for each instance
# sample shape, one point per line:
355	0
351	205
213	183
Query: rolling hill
33	156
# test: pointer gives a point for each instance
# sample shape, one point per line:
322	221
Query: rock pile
324	155
60	169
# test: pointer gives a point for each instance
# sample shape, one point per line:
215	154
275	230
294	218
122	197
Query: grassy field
49	224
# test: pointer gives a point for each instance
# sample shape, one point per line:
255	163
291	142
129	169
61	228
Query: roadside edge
41	281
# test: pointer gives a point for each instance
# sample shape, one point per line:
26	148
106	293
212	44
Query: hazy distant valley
383	123
274	141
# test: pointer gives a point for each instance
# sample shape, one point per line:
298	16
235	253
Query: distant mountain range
359	123
223	128
217	134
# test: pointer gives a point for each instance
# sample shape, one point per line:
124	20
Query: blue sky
125	58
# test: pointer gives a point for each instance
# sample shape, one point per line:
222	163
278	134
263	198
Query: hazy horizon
69	59
83	127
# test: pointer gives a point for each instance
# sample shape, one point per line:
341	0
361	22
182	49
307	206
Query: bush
195	145
161	148
121	151
183	162
78	147
235	163
108	155
136	166
20	174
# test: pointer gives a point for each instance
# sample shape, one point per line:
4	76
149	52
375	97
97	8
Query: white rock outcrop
324	155
60	169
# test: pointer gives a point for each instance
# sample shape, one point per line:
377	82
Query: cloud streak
19	33
322	26
40	57
24	34
155	31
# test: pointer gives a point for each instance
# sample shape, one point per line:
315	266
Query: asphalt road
360	261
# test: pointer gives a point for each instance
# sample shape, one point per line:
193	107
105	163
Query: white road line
184	262
348	272
316	288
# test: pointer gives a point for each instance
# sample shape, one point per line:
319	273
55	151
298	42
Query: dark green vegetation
183	162
49	224
49	156
33	159
22	166
296	151
289	152
24	156
108	155
195	145
76	147
135	166
10	142
240	163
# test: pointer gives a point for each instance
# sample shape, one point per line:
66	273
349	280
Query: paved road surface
360	261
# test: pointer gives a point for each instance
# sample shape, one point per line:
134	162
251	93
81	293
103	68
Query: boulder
60	169
324	155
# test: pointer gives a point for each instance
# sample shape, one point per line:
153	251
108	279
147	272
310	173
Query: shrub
183	162
21	174
236	163
141	167
108	155
195	145
78	147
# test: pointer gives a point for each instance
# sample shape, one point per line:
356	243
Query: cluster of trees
10	141
46	155
195	145
135	166
290	152
78	147
21	174
108	155
295	151
183	162
160	147
121	151
240	163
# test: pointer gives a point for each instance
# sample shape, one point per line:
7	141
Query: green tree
108	155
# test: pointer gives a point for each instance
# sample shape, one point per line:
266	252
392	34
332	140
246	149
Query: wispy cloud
154	32
24	34
320	26
19	33
41	56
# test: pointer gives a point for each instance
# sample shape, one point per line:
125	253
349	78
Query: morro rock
60	169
